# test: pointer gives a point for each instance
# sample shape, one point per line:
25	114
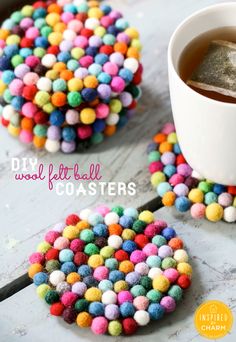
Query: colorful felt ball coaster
111	270
69	73
177	184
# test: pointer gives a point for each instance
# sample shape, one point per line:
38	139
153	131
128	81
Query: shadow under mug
206	128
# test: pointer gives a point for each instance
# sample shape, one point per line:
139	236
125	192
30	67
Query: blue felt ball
40	278
182	204
99	125
126	74
95	69
126	221
127	309
177	149
133	278
103	77
25	52
63	56
132	212
57	118
163	188
129	246
96	309
89	94
95	218
115	276
111	263
210	197
101	58
90	281
85	270
218	189
70	8
68	134
5	63
41	42
91	51
168	233
113	30
68	267
105	285
72	64
151	147
106	9
122	122
169	170
156	311
66	255
17	102
100	230
8	76
39	13
11	50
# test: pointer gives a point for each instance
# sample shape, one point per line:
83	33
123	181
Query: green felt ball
153	261
138	290
40	130
114	328
87	235
118	209
139	226
16	17
176	292
131	88
7	96
154	296
51	297
81	305
159	240
210	198
91	249
52	265
97	138
40	23
168	263
17	60
59	85
39	52
74	98
146	282
107	252
45	31
112	264
205	186
154	156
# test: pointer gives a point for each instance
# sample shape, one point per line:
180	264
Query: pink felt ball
106	21
151	230
160	224
124	296
30	78
101	273
32	33
84	131
142	268
225	199
81	41
198	210
26	23
117	84
61	243
168	303
69	298
86	61
172	274
29	109
36	258
26	136
99	325
77	245
141	302
168	128
66	17
103	210
123	38
137	256
110	68
184	169
75	25
155	166
16	87
32	61
150	249
176	179
51	236
102	111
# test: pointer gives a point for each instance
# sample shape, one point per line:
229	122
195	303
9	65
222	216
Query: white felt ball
109	297
117	58
114	241
48	60
142	268
69	35
197	175
8	111
142	317
131	64
111	218
44	84
52	145
84	214
154	272
56	277
181	255
91	23
112	119
230	214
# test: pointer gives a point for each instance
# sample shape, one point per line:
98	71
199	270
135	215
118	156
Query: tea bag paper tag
217	72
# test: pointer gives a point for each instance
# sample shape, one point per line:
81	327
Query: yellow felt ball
70	232
52	74
172	138
59	27
27	10
146	216
161	283
75	84
3	87
137	44
90	81
84	319
196	196
4	34
13	39
126	266
14	131
184	268
121	285
115	106
128	234
55	38
48	108
34	269
157	178
41	98
132	33
77	52
95	12
43	247
87	116
72	278
52	19
95	260
93	294
82	225
100	31
234	202
214	212
107	252
42	290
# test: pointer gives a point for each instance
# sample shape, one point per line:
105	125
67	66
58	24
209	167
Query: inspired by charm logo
71	181
213	319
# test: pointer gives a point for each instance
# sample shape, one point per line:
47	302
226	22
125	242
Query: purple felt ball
181	189
168	158
132	278
112	311
165	251
184	170
79	288
168	303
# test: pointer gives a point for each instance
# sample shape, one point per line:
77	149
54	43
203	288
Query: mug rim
170	51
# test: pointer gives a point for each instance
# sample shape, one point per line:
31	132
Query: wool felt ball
99	325
114	328
112	312
129	326
142	317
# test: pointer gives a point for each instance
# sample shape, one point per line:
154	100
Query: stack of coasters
69	73
177	184
111	270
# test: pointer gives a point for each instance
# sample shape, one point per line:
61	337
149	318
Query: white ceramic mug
206	128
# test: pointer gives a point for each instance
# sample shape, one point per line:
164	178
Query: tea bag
217	72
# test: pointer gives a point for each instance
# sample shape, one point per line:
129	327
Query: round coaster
111	270
177	184
69	73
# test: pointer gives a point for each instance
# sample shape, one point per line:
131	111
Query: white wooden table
27	211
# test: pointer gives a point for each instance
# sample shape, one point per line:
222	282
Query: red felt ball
39	4
41	118
184	281
132	105
5	122
56	309
54	50
86	32
80	258
129	326
81	17
52	254
137	79
29	92
121	255
232	190
72	220
26	42
141	240
180	159
107	49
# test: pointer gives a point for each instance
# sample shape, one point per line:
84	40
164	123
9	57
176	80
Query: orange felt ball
133	52
109	130
72	278
168	199
54	8
27	124
120	47
126	266
176	243
82	225
59	66
59	27
159	138
33	269
66	75
59	99
165	147
39	142
115	229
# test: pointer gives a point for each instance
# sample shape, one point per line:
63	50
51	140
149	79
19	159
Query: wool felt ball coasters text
177	184
69	73
111	270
